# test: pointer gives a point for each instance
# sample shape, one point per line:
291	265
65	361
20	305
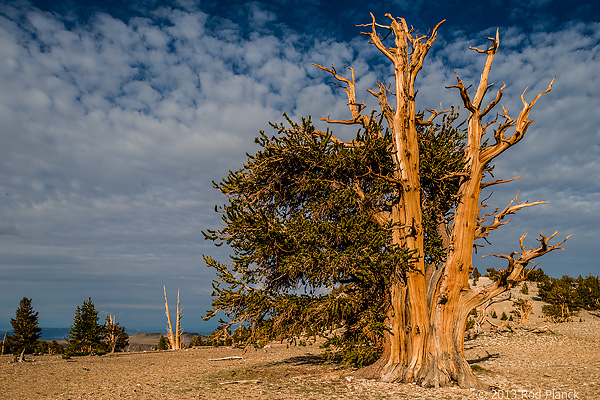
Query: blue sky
116	119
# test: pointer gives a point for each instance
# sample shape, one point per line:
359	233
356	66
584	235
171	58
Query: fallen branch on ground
233	382
226	358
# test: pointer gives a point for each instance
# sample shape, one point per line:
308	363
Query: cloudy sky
115	119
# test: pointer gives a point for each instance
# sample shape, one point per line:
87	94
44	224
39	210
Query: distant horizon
127	330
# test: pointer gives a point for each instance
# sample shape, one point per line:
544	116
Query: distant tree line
565	296
568	295
85	337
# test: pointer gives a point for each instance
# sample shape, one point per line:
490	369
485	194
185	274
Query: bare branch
521	125
375	37
170	330
486	184
463	94
350	88
514	272
388	112
433	116
483	231
494	102
483	86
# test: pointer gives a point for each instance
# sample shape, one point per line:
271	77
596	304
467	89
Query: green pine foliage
163	344
114	336
308	257
55	348
42	347
198	340
492	273
85	335
503	317
525	288
537	275
568	295
588	292
475	275
25	329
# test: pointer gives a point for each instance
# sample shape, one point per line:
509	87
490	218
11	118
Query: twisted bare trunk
430	304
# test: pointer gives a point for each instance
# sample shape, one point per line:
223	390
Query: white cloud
113	131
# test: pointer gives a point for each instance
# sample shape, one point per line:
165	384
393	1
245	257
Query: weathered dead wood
430	304
112	332
21	357
484	230
543	329
239	382
173	336
523	308
226	358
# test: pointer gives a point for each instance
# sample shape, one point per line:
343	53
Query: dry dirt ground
564	364
560	365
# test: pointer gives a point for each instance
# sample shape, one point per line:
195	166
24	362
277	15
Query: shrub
525	289
562	296
537	275
41	348
504	317
162	343
476	275
470	324
55	348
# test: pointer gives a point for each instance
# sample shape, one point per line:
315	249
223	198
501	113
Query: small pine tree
85	335
115	337
26	331
55	348
492	273
42	348
525	289
494	315
504	317
162	343
198	340
476	275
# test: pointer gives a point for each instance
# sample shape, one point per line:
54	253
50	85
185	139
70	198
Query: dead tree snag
174	336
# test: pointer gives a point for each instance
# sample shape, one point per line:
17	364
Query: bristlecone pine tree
373	235
26	331
115	337
85	335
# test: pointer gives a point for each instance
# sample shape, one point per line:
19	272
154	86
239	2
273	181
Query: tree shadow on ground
487	357
308	359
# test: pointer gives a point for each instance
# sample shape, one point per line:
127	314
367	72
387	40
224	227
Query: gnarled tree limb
484	230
